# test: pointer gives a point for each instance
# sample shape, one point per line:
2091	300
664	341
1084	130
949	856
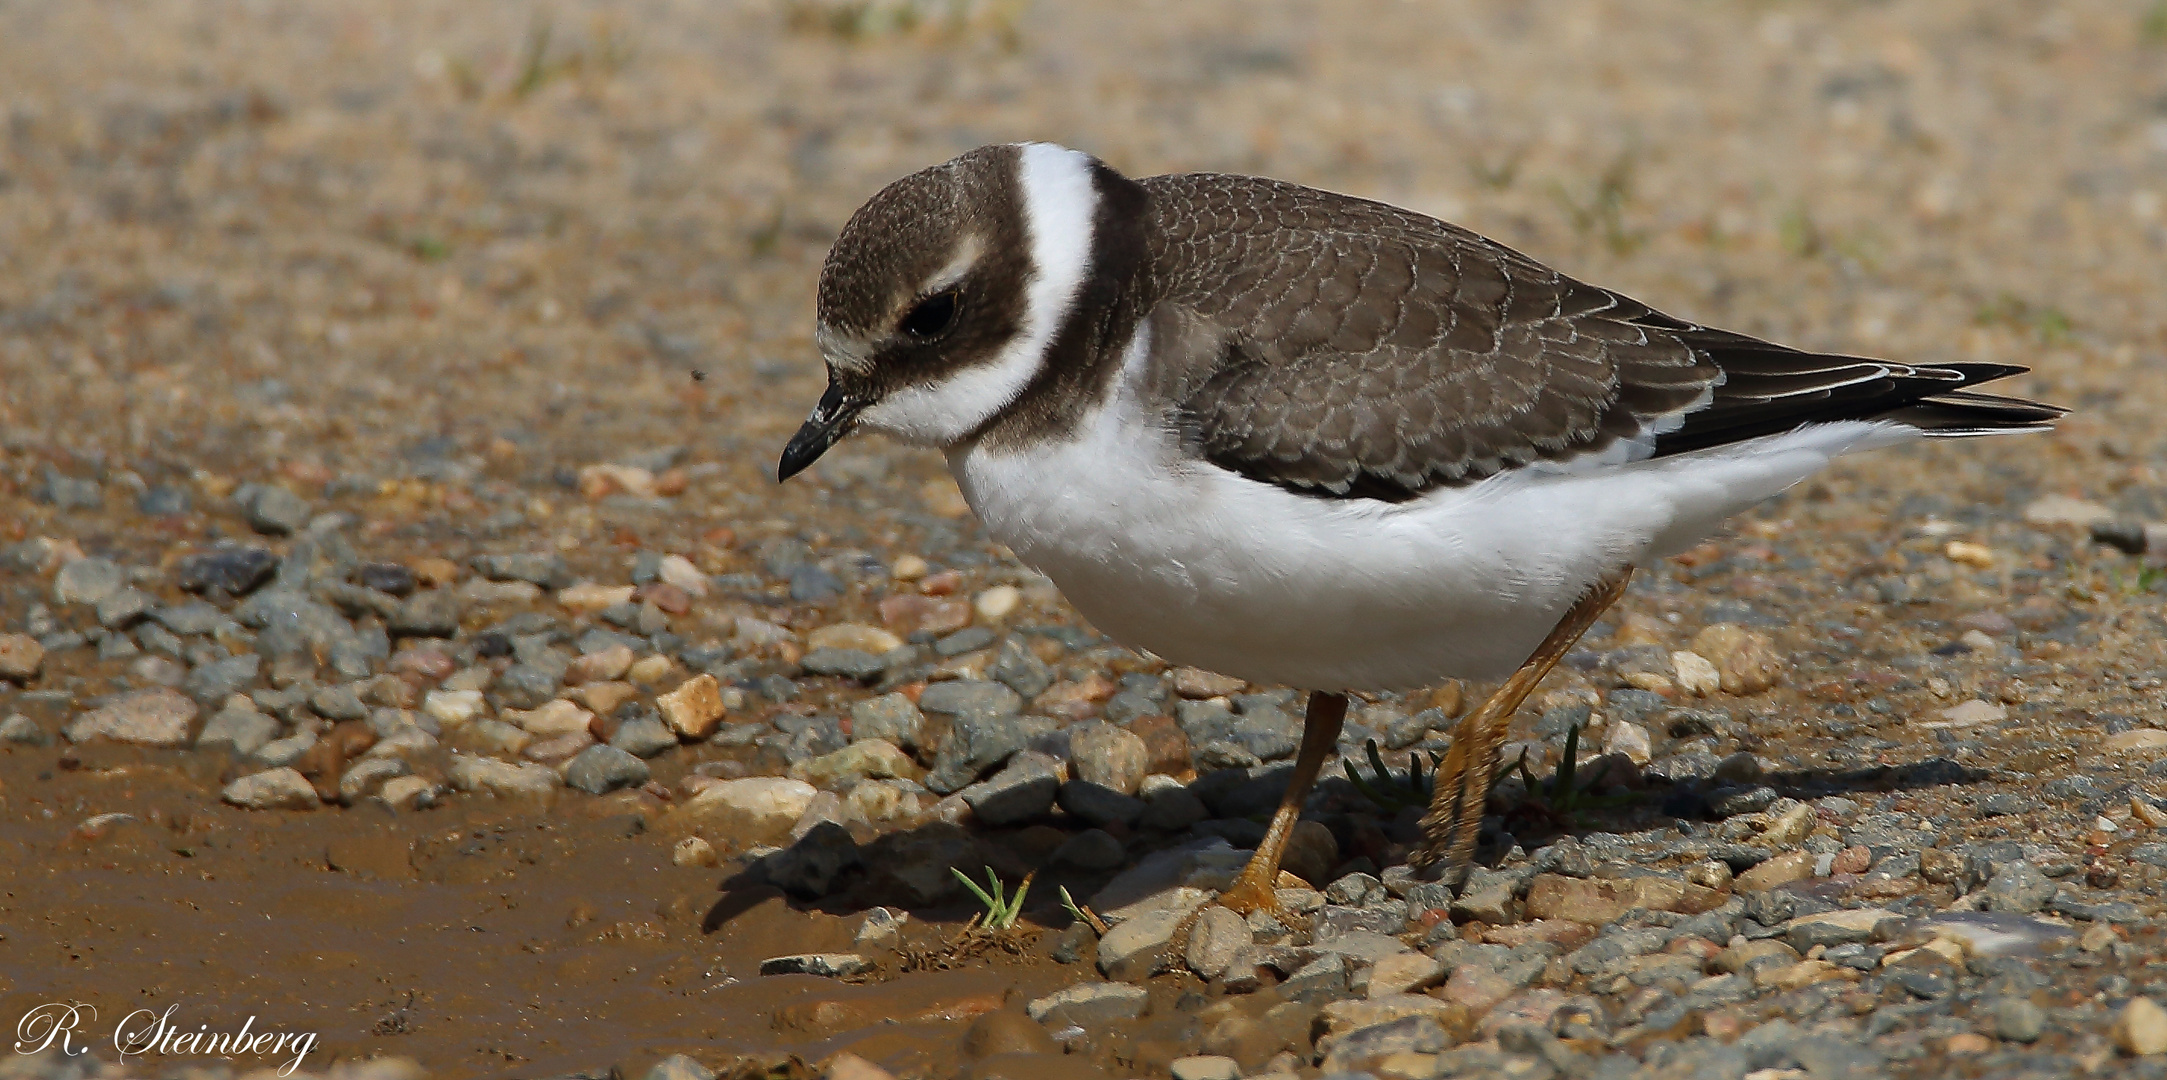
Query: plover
1309	439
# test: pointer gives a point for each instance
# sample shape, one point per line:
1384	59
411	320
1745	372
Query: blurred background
496	238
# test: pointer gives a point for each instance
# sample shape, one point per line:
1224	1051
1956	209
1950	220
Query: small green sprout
1389	790
1001	909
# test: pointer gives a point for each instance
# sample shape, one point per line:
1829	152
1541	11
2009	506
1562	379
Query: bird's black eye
933	316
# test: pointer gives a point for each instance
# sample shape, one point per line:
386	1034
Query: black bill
830	421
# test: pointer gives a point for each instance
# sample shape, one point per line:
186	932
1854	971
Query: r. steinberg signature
143	1032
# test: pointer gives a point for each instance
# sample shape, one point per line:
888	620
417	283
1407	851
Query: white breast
1204	567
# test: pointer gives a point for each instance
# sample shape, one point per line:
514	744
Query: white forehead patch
1059	208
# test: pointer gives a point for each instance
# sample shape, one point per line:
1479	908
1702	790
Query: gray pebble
599	770
891	717
541	569
1091	849
525	686
2018	887
1022	790
645	737
810	865
428	613
1100	805
2017	1019
161	500
976	744
235	571
273	510
87	581
2004	803
1172	809
679	1067
20	730
826	965
70	493
193	617
848	663
970	699
210	683
124	608
1736	801
1018	670
237	731
338	703
968	639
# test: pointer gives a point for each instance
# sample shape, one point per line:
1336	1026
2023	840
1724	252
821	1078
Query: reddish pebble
427	663
668	597
941	584
907	614
1852	860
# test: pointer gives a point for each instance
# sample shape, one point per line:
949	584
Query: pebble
540	569
1694	674
1205	1067
1746	661
847	663
275	511
968	699
975	744
812	862
409	793
20	730
1090	1004
218	679
2017	887
908	614
602	665
87	581
368	776
1024	789
157	717
694	851
825	965
285	751
861	637
1197	684
1781	870
237	731
432	613
124	608
1630	739
694	709
679	1067
2017	1019
643	736
1171	808
1109	756
599	770
2141	1028
20	657
1100	805
890	717
864	759
275	789
649	670
756	809
504	779
997	603
454	707
1401	973
552	718
1217	936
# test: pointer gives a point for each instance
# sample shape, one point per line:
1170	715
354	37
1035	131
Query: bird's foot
1251	893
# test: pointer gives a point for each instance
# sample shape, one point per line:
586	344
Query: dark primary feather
1359	350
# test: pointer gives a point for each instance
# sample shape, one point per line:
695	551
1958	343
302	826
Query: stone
430	613
1601	901
1694	674
1197	684
275	789
1416	1038
1401	973
20	730
542	570
1024	789
975	744
857	637
87	581
275	511
2017	887
866	759
2136	741
1847	926
970	699
825	965
1146	929
1781	870
237	731
754	810
2141	1028
1630	739
1972	713
1172	809
2017	1019
864	667
1217	936
694	851
1205	1067
552	718
504	779
157	717
890	717
409	793
643	736
694	709
606	664
679	1067
124	608
599	770
1109	756
451	708
215	681
367	776
20	657
1090	1005
1746	661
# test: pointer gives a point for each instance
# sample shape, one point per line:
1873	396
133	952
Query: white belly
1206	568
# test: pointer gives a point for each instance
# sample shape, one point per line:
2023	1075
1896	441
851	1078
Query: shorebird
1314	440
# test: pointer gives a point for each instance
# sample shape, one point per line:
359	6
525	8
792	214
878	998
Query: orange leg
1454	821
1254	890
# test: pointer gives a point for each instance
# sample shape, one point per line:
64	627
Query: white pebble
1696	675
998	602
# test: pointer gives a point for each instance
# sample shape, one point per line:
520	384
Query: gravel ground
389	562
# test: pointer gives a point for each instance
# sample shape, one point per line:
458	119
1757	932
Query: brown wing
1357	349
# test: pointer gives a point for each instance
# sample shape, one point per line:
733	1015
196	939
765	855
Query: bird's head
942	294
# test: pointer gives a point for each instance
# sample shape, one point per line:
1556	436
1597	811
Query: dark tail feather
1775	391
1961	413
